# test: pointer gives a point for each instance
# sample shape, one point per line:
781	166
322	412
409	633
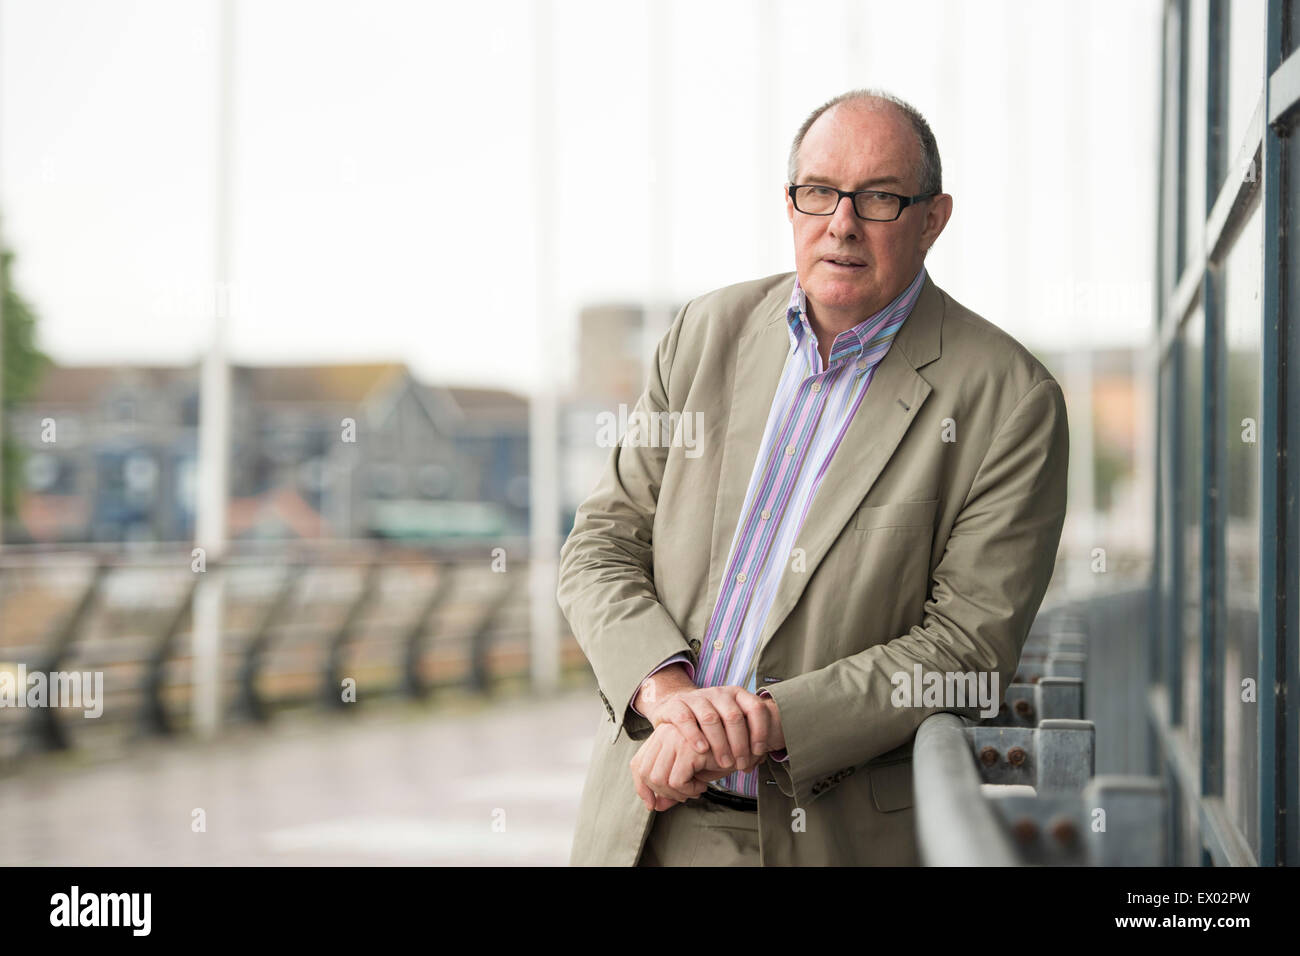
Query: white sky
362	125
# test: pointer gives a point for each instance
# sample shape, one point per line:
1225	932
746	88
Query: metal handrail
955	824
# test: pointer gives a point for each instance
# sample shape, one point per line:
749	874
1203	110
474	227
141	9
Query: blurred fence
400	622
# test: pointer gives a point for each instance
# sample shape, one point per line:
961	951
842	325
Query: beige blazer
931	540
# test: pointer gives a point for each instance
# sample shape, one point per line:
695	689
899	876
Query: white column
658	307
214	414
543	431
1083	537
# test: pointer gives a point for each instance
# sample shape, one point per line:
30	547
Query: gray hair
928	170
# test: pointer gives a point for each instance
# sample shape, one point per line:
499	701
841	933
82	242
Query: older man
878	490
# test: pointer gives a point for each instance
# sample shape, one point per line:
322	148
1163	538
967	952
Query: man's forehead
872	144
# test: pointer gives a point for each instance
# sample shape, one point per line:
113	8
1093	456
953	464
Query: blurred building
613	353
340	451
1120	396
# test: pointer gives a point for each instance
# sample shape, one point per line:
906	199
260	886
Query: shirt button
766	514
862	363
717	645
789	450
741	577
816	387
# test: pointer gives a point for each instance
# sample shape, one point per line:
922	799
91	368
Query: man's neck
827	330
827	333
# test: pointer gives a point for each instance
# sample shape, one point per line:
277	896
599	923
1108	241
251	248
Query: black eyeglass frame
903	201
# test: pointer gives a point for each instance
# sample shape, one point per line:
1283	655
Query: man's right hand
729	721
666	770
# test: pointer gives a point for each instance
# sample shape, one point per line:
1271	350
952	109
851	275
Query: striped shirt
810	413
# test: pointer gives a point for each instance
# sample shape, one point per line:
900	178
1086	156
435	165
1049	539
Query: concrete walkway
469	784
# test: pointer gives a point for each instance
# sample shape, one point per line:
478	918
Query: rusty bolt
988	756
1016	756
1064	831
1024	830
1024	709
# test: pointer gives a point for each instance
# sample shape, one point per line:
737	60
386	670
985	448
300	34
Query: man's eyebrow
866	184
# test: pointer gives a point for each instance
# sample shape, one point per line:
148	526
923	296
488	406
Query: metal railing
1019	789
299	622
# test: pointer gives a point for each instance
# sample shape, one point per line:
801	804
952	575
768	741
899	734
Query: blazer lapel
891	404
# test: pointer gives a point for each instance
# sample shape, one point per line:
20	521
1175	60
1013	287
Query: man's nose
845	223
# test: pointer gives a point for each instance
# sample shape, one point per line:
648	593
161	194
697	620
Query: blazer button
695	645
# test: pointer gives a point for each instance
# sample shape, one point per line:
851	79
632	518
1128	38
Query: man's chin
840	296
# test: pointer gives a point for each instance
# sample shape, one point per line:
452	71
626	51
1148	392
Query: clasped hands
700	734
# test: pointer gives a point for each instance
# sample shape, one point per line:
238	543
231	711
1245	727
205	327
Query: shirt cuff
780	756
675	659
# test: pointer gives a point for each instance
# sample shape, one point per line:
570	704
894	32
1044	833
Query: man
877	490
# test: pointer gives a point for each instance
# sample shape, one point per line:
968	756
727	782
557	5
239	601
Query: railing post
44	730
249	702
333	676
413	643
153	715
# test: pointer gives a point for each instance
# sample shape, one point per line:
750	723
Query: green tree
24	364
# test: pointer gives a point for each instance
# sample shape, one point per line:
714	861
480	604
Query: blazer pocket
891	786
900	514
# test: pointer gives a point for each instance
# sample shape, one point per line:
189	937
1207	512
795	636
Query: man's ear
789	206
936	217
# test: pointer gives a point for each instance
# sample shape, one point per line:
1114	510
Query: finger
682	775
710	723
658	777
709	774
638	765
759	719
689	726
686	762
733	719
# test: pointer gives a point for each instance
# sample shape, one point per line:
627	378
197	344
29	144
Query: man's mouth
845	262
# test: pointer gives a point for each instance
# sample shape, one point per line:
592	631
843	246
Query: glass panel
1190	473
1194	183
1169	255
1241	504
1168	622
1247	22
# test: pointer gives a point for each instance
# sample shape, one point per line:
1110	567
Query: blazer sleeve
984	594
606	573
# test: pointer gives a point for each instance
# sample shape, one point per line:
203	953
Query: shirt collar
851	342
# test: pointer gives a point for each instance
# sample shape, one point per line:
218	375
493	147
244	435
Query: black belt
735	801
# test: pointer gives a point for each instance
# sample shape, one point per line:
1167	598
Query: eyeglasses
869	204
